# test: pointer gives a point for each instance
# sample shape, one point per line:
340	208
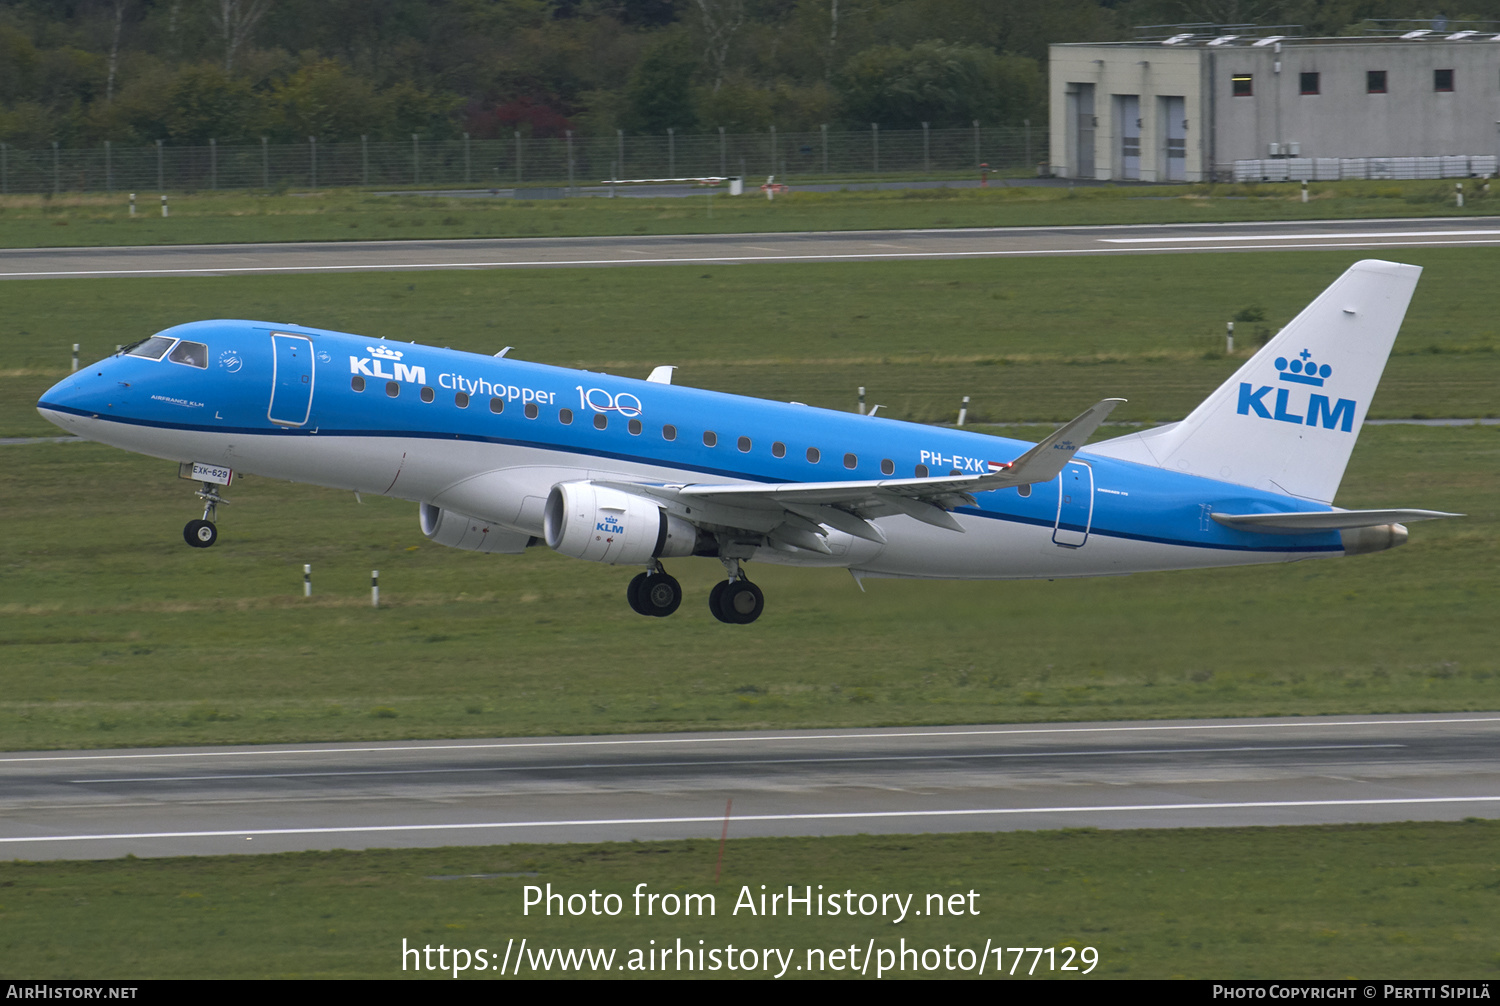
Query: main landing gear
203	533
655	592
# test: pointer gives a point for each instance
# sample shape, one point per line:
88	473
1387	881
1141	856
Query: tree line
78	72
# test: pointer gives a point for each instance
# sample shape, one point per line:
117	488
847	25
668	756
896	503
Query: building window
1242	85
1442	80
1374	81
1310	83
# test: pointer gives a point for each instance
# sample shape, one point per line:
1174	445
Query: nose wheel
203	533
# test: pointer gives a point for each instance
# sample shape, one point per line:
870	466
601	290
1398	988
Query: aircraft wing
797	512
1308	522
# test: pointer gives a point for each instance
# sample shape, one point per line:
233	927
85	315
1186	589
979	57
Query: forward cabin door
291	380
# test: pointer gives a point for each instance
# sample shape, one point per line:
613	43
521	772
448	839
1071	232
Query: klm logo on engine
372	366
610	525
1315	410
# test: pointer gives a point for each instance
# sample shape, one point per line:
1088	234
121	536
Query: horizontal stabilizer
1308	522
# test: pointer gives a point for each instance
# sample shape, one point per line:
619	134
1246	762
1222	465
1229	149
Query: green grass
1032	339
116	634
1407	900
347	215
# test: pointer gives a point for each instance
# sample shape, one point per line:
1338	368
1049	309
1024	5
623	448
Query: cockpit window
153	348
192	354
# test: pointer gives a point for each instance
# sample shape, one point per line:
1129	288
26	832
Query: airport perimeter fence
574	161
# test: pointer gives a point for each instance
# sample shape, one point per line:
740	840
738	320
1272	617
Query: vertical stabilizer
1288	419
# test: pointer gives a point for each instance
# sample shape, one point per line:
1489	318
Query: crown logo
1303	370
381	352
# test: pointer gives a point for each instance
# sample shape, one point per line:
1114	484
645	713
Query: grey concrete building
1191	108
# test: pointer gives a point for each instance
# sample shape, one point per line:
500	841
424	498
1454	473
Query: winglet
1047	459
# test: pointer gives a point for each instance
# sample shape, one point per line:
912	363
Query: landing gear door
1075	505
291	380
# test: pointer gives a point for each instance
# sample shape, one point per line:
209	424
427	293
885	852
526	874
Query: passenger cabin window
392	389
600	420
461	399
778	450
497	406
634	426
921	471
850	461
710	438
565	416
1310	83
669	433
813	454
428	395
887	467
190	354
357	383
1242	84
1442	80
153	348
1374	81
744	445
532	411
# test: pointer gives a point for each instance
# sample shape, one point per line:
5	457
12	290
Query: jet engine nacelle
457	530
587	521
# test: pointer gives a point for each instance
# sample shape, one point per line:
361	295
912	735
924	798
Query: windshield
153	348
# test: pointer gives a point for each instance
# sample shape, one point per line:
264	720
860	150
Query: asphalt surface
205	801
715	249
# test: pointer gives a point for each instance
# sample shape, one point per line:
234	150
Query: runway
208	801
728	249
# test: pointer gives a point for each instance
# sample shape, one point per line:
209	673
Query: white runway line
397	747
744	818
1352	236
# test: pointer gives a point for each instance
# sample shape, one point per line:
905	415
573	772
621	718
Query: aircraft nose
74	397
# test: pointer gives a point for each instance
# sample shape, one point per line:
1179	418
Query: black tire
200	533
713	600
660	594
741	602
633	594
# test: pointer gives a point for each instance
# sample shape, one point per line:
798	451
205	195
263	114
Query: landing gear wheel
738	602
633	594
713	600
200	533
659	595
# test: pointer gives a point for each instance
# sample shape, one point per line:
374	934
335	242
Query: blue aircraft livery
501	455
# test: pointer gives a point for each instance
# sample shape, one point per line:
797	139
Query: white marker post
374	588
307	579
861	393
1304	190
963	411
1458	189
164	205
132	204
1229	339
75	356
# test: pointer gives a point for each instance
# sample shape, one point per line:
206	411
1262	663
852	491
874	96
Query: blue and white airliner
501	455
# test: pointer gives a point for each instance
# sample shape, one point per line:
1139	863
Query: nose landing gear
203	533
